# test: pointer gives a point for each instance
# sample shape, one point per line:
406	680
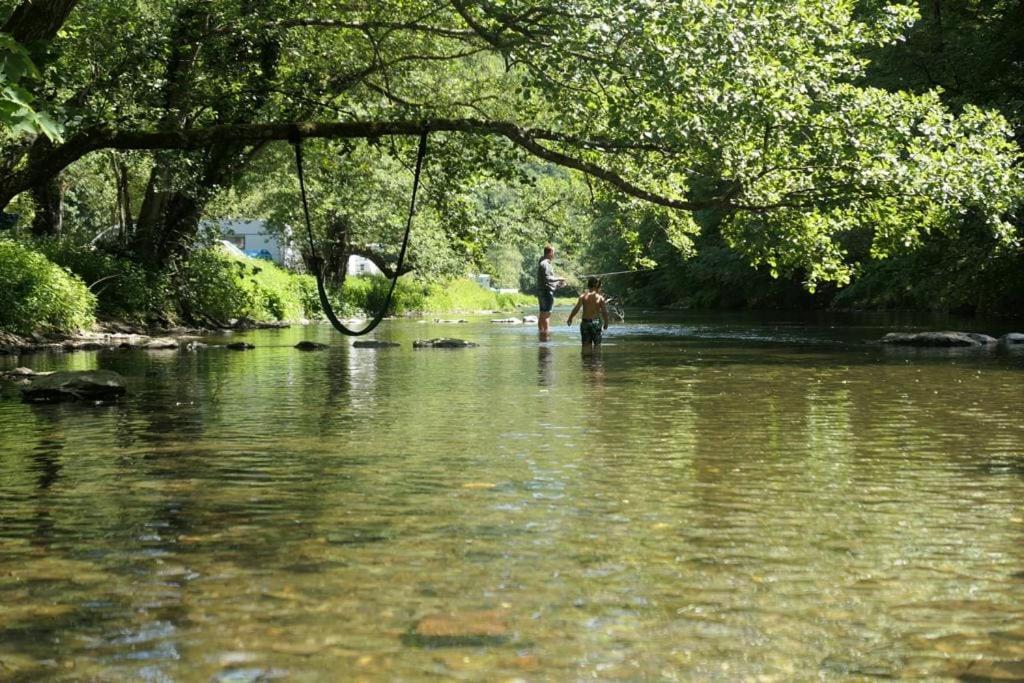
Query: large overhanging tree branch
531	140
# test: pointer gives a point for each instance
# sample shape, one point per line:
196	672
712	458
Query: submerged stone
442	343
88	385
374	344
307	345
239	346
456	629
450	322
937	339
507	321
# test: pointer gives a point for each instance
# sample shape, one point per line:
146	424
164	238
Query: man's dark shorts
546	301
590	331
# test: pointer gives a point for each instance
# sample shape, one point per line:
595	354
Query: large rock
239	346
160	343
244	323
307	345
88	385
442	343
374	344
937	339
1012	339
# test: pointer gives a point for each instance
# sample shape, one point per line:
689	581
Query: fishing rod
621	272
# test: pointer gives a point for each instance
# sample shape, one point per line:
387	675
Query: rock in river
307	345
1012	339
460	629
239	346
88	385
374	344
442	343
160	343
937	339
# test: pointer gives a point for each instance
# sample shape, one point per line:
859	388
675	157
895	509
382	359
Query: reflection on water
699	500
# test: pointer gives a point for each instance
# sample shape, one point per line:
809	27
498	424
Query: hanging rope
325	303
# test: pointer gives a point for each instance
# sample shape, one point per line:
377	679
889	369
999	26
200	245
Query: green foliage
969	273
38	295
18	112
367	294
123	289
216	287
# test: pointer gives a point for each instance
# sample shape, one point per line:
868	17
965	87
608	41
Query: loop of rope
296	140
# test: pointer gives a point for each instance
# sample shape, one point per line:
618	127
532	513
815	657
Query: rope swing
296	140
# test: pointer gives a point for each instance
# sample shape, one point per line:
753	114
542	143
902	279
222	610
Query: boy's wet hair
593	283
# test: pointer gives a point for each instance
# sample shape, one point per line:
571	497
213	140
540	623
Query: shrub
122	288
217	286
37	294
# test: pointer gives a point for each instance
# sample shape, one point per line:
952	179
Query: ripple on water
695	501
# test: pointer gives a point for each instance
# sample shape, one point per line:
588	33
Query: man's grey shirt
546	280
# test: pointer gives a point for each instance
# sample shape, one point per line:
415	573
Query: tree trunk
49	200
169	217
34	20
123	203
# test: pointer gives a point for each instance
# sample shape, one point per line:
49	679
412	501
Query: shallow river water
710	498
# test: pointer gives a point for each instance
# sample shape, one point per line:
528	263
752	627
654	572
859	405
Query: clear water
718	498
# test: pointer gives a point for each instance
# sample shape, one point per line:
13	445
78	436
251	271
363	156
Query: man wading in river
547	283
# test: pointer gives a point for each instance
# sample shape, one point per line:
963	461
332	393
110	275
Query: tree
755	108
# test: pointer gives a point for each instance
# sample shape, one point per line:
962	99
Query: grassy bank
411	297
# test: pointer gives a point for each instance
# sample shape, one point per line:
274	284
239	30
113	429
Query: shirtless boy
593	305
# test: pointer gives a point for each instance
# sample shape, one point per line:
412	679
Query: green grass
411	297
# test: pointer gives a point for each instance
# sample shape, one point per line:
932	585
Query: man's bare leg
544	325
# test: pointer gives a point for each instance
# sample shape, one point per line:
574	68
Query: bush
122	288
217	286
37	294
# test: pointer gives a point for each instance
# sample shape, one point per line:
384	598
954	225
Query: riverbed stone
456	629
239	346
529	318
306	345
507	321
87	385
444	321
935	339
442	343
374	344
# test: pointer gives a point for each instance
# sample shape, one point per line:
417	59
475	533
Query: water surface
717	497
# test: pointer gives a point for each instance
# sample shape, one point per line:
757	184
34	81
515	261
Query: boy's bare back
593	305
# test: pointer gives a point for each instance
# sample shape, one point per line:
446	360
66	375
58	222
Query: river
712	497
